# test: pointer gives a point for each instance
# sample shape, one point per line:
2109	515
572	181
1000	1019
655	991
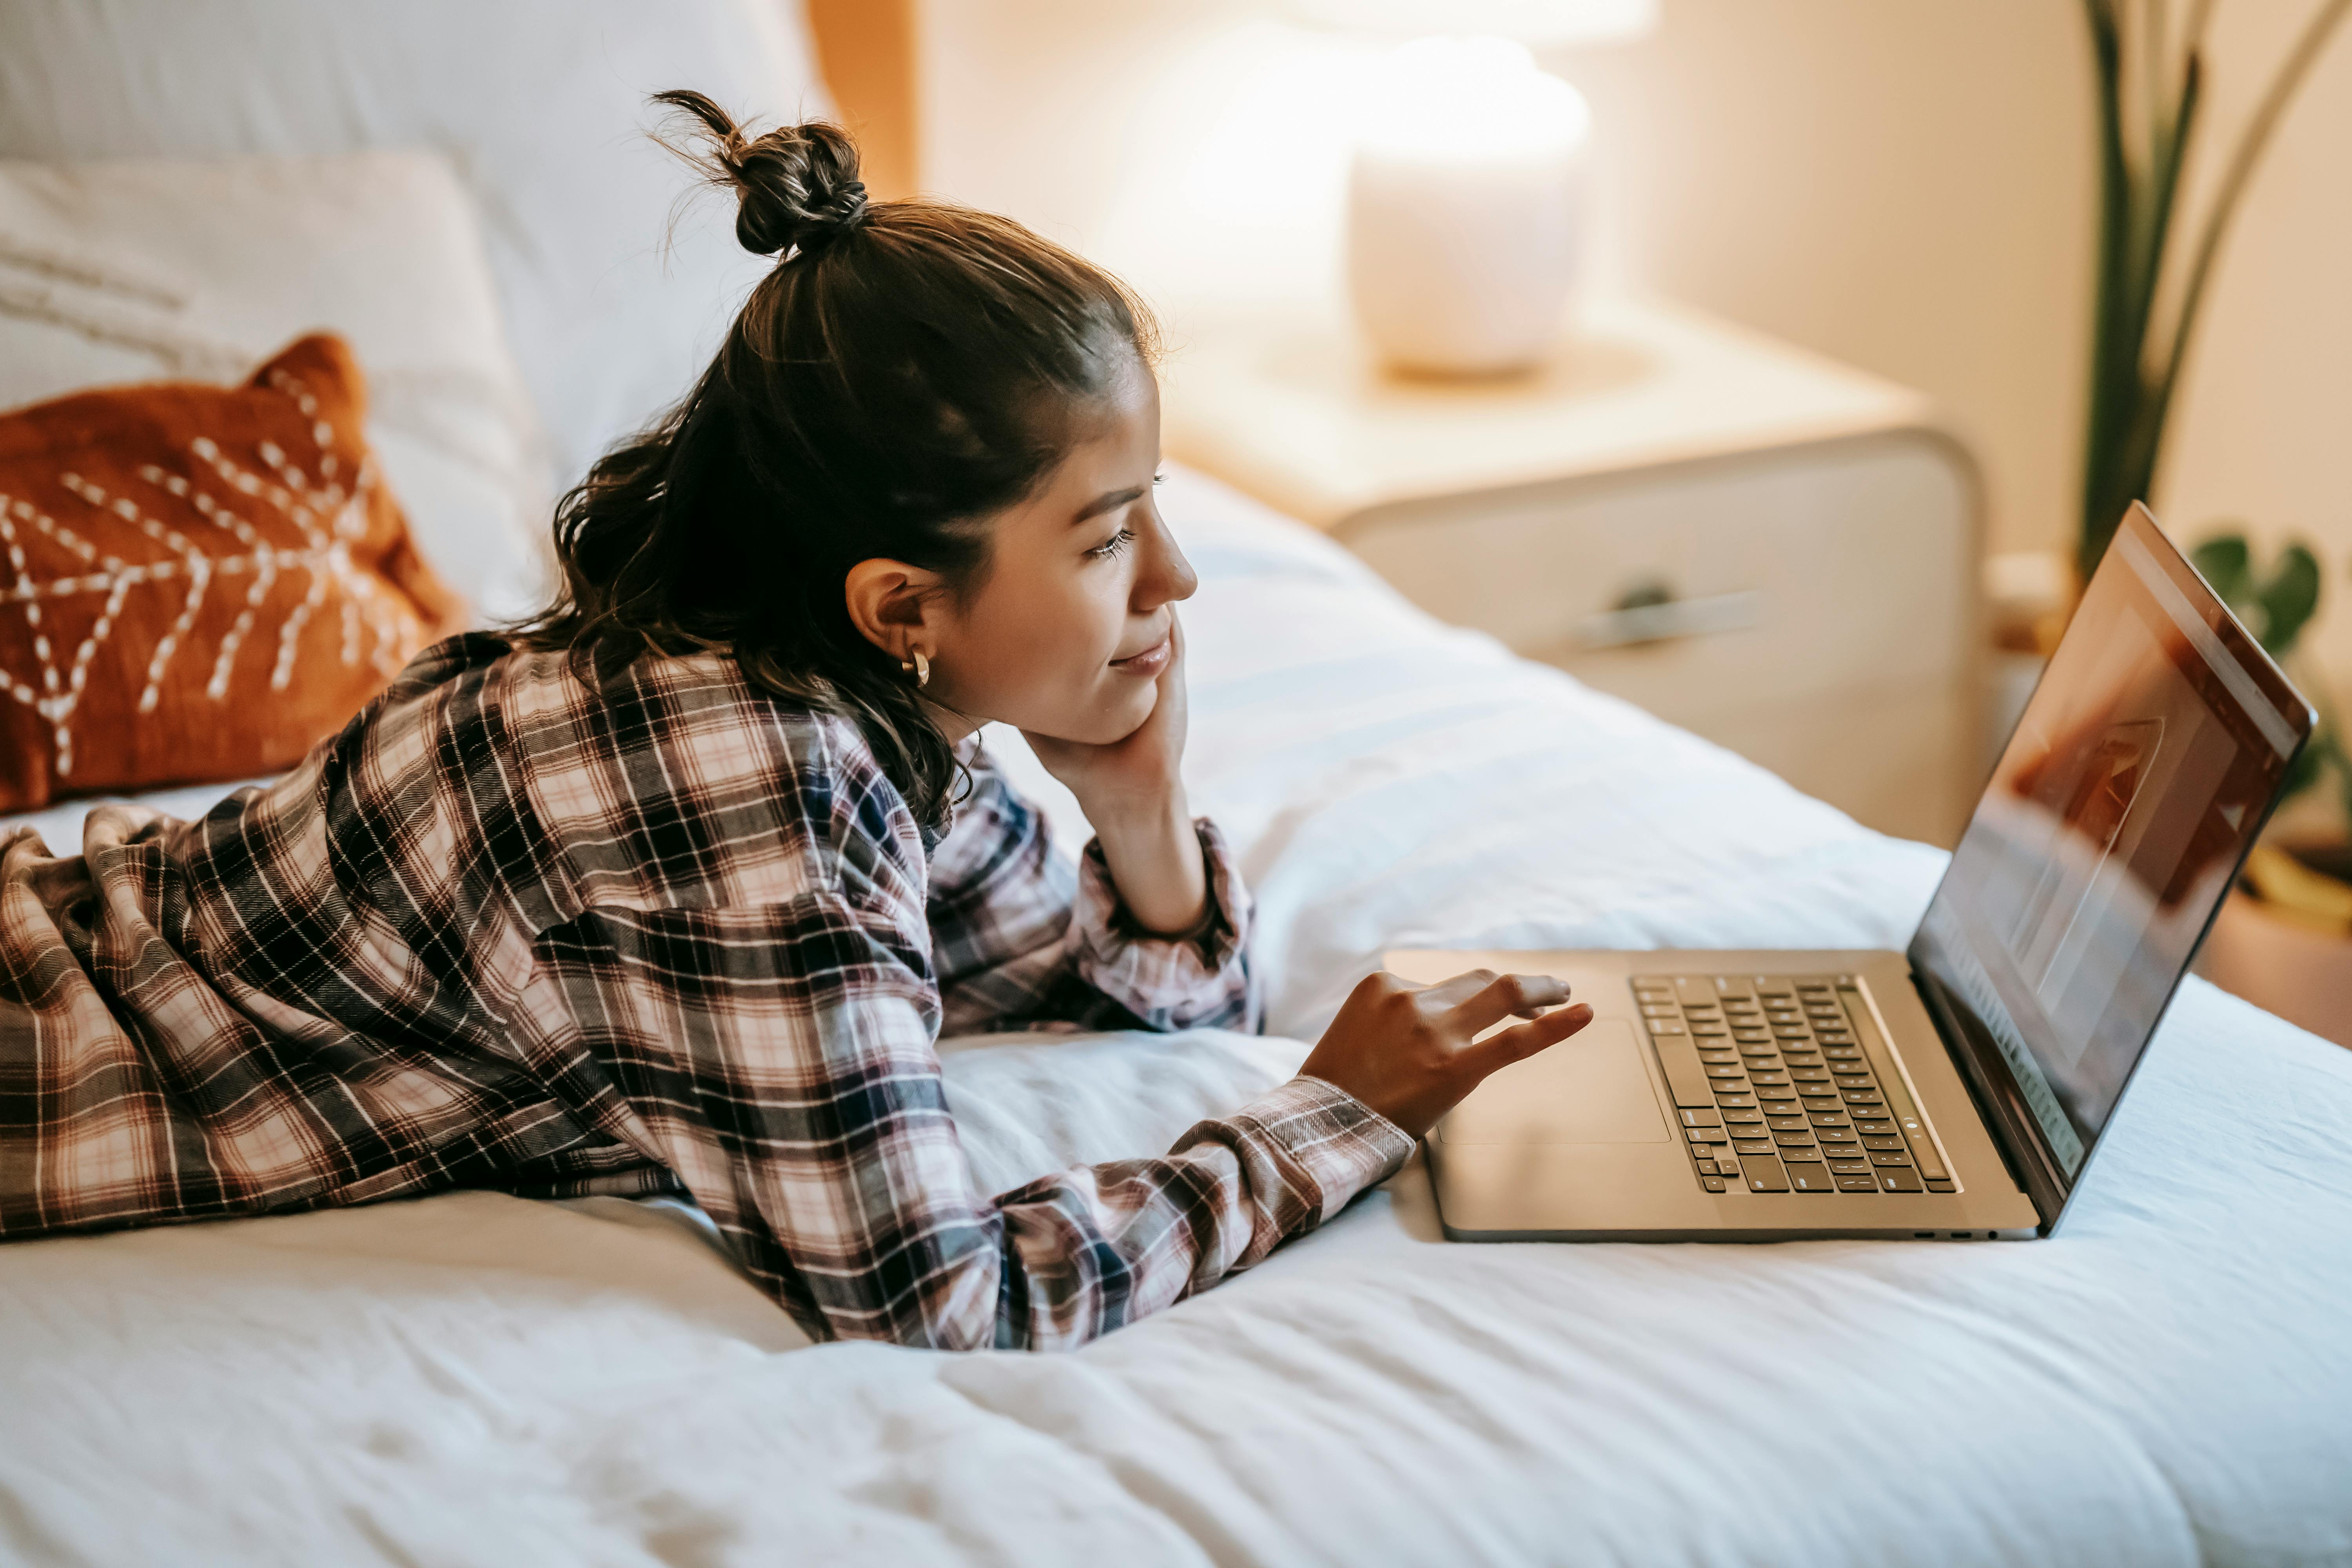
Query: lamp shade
1465	207
1539	23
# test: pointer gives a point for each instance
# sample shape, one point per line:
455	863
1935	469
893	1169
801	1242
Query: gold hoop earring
919	665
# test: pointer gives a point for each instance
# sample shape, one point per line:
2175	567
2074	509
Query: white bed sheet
475	1379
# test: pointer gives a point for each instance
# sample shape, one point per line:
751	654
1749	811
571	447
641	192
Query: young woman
674	888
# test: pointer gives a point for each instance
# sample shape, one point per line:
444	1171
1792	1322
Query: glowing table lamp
1466	199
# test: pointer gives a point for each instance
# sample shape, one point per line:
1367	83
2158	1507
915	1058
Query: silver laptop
1956	1090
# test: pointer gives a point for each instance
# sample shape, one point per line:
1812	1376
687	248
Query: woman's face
1068	626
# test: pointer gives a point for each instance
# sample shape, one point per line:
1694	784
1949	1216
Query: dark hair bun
796	187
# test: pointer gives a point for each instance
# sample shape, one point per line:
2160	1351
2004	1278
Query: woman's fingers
1448	994
1525	1040
1504	995
1543	992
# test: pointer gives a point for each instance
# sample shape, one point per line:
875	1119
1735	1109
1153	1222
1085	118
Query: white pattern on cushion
326	518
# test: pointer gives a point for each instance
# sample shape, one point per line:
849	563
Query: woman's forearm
1154	857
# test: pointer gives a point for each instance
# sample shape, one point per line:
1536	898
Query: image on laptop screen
2119	812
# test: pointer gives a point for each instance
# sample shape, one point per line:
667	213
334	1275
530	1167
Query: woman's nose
1167	576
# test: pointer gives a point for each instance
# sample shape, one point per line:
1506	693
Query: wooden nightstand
1772	550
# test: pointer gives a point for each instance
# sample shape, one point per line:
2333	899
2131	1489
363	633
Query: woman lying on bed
674	888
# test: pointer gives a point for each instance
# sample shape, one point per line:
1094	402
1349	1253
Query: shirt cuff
1341	1144
1176	982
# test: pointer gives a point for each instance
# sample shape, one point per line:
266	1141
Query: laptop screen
2143	766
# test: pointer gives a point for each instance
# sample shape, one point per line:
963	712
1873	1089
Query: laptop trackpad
1590	1089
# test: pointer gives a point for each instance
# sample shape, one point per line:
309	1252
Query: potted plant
2283	940
2151	63
2151	90
2284	936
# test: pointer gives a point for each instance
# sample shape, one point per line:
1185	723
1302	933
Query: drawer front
1730	596
1896	758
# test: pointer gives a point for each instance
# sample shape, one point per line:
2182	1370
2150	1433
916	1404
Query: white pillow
141	269
539	105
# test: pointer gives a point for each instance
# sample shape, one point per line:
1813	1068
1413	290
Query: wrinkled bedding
477	1379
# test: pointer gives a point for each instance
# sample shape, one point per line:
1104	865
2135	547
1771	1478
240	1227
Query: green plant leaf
2343	765
2227	564
2134	370
2304	770
2288	599
2118	323
2323	753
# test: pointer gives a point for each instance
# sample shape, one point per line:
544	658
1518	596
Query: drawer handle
1642	617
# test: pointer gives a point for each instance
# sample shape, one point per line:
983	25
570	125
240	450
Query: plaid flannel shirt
507	929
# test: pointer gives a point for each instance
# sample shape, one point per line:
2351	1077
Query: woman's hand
1132	790
1406	1050
1137	775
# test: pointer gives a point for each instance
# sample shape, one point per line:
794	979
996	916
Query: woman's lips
1148	663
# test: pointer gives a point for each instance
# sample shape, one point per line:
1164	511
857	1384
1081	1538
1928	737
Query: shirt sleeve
779	1059
1020	936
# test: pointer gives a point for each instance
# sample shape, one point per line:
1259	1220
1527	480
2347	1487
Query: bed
479	1379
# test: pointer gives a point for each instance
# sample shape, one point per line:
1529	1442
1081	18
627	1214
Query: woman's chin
1132	714
1105	726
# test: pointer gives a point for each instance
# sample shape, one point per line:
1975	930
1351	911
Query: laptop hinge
2032	1163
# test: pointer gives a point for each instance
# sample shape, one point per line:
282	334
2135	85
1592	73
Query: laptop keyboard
1778	1088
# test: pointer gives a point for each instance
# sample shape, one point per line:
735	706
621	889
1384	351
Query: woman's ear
894	606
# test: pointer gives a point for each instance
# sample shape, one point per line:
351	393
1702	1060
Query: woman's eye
1112	546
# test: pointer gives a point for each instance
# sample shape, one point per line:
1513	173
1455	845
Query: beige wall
1904	183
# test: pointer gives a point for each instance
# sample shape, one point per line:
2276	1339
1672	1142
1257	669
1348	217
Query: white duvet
477	1378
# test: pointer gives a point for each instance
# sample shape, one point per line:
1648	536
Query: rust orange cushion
197	581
